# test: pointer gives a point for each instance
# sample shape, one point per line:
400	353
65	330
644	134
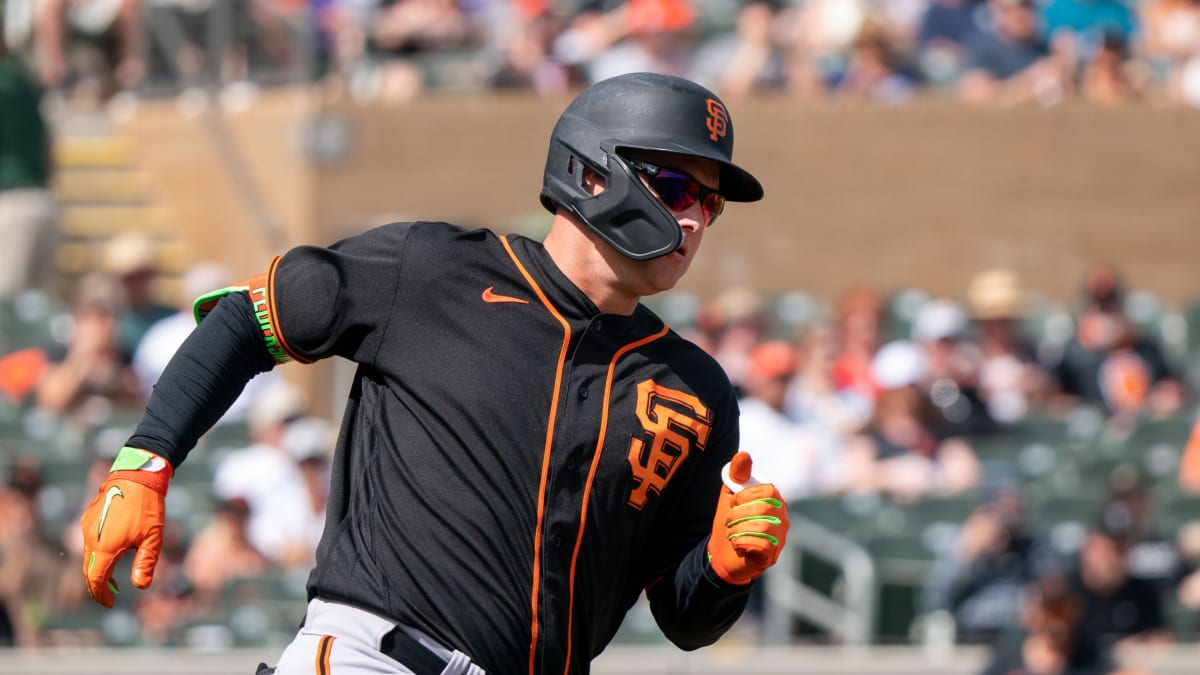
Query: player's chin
667	271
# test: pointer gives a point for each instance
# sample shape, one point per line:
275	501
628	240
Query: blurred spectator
403	30
310	441
1108	362
899	453
782	453
657	36
90	373
1154	556
1116	606
858	327
27	206
20	371
1050	642
1170	37
170	601
163	338
1189	462
945	30
341	28
221	552
132	259
266	476
1077	29
736	320
751	58
824	34
28	566
951	378
1189	574
875	72
1110	77
1187	88
980	579
1010	64
523	41
1010	379
98	41
828	416
186	52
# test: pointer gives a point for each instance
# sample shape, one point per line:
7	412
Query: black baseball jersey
514	466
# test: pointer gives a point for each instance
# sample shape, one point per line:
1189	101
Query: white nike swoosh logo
113	491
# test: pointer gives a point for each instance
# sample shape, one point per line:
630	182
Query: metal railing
850	619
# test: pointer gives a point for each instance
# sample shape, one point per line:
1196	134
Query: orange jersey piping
558	374
587	488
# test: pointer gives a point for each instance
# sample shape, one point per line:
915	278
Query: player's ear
592	182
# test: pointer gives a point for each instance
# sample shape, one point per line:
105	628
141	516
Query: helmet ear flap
627	216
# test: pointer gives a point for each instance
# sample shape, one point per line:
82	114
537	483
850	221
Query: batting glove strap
144	467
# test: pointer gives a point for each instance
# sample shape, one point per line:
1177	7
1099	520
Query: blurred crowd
895	395
884	394
1106	52
251	504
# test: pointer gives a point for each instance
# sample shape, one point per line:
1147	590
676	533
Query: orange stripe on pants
324	648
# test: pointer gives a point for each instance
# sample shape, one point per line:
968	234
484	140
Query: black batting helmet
638	111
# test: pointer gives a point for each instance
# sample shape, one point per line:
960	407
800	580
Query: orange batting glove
127	513
749	528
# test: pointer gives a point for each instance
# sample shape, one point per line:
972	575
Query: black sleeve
202	380
693	606
338	300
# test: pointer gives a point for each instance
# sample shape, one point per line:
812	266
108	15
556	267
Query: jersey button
571	464
598	326
583	391
556	541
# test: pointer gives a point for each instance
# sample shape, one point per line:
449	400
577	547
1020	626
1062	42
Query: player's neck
577	254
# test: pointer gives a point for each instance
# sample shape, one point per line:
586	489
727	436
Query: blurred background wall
925	195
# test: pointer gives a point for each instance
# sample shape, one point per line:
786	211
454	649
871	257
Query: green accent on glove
761	535
770	519
130	459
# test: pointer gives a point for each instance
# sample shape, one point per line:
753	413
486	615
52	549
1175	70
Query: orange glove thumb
127	512
749	527
739	468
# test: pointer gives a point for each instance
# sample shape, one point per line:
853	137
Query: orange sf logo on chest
718	119
674	422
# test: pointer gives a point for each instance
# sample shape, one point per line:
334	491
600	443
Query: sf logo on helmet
718	119
674	422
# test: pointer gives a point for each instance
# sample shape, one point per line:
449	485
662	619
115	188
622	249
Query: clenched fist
749	529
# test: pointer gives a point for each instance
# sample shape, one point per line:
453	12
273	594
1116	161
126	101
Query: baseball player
526	448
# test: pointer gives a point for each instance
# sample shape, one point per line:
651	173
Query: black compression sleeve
202	380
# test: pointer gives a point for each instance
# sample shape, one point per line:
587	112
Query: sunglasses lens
677	193
713	205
